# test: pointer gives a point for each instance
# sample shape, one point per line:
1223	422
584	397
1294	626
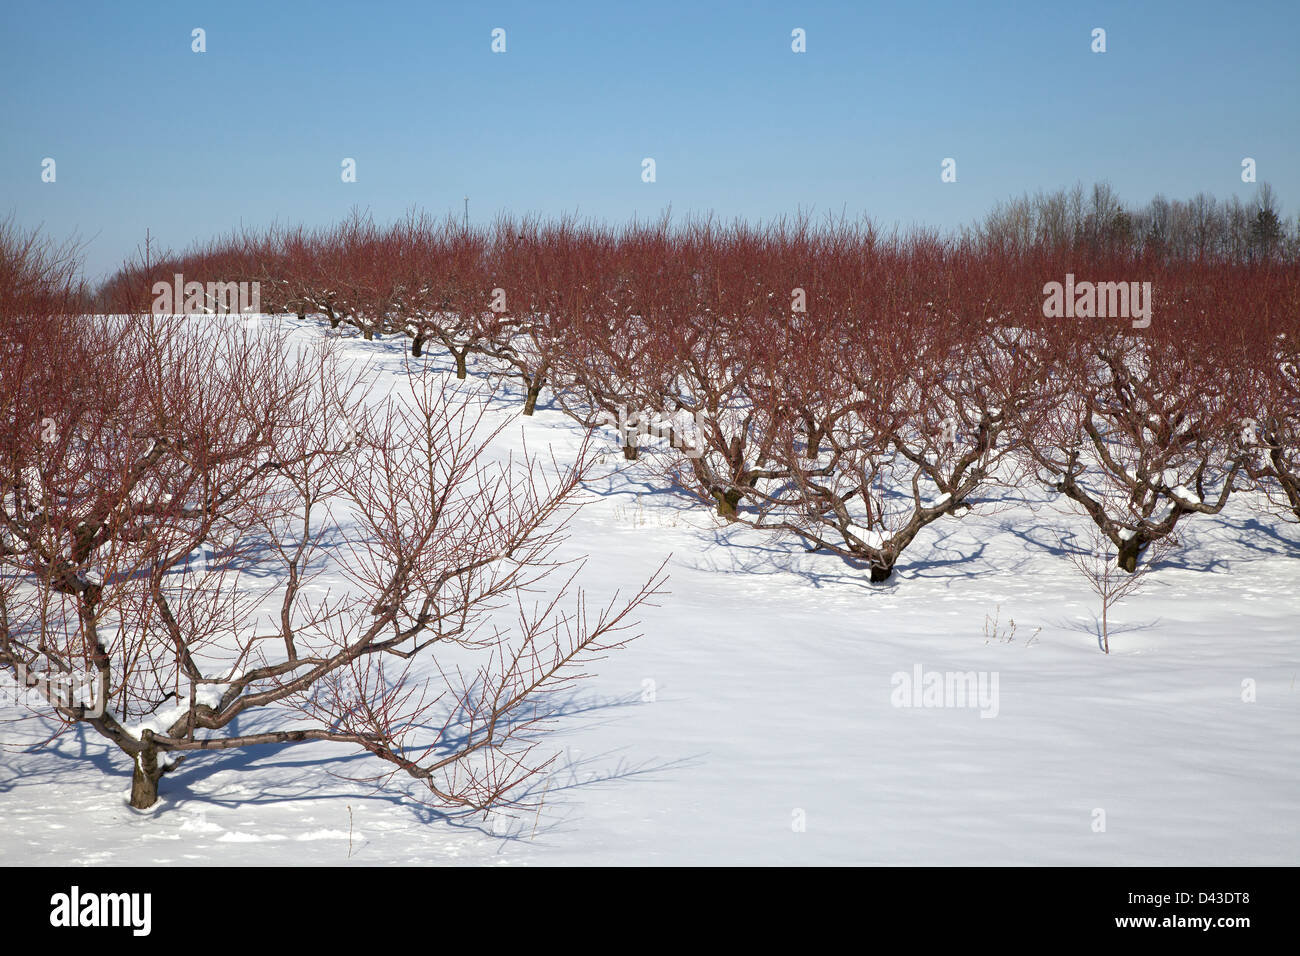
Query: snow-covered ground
756	721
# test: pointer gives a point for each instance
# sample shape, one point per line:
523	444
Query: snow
207	694
753	721
868	536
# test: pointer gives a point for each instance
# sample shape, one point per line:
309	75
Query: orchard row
830	382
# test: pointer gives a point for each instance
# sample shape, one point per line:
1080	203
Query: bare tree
1100	568
168	490
1140	427
1269	430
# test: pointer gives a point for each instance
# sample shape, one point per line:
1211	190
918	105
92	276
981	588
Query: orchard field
689	543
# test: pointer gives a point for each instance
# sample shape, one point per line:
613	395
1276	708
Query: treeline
1201	228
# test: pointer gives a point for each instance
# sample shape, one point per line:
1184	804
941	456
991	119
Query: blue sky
148	134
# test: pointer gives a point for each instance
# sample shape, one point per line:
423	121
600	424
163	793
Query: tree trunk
1128	553
814	449
417	346
727	501
461	371
879	574
144	781
534	390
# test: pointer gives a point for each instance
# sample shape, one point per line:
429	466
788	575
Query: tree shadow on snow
938	557
1094	629
270	775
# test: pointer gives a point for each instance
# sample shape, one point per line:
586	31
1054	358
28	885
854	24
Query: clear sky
146	133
